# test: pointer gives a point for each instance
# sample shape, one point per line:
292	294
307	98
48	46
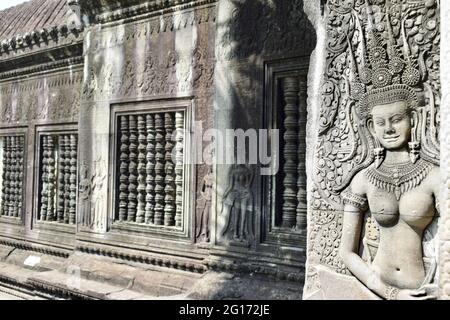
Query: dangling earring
414	151
414	145
378	152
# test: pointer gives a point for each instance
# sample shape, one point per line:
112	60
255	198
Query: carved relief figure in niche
98	209
238	204
400	190
400	187
204	206
85	195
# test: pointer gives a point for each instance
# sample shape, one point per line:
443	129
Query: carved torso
402	224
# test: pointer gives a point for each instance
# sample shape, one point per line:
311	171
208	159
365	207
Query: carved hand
421	294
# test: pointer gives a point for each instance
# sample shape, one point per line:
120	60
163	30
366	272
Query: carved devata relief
54	98
176	71
153	76
204	207
238	206
375	200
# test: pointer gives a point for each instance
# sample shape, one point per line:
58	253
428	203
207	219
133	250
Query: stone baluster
73	179
179	126
142	138
51	178
20	148
12	185
169	172
159	170
66	179
301	149
150	170
9	177
44	180
132	186
124	163
61	176
4	173
290	90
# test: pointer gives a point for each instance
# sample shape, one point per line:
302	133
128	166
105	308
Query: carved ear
370	127
413	116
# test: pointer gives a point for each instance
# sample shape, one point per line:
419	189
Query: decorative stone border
39	249
38	37
156	261
42	68
123	9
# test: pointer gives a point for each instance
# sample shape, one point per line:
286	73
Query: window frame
132	228
18	131
274	72
51	226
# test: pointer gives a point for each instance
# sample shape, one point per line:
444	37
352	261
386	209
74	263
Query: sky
9	3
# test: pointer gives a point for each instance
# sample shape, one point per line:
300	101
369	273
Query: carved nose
390	130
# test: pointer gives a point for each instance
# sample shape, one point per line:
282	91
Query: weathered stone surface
373	173
98	94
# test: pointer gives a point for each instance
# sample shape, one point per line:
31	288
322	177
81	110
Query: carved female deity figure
204	206
97	206
238	201
400	189
84	190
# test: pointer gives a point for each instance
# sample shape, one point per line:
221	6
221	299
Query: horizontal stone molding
118	10
160	261
75	61
36	248
39	40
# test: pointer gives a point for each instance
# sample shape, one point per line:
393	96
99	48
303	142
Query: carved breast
415	208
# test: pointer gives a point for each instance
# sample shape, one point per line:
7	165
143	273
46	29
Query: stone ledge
88	277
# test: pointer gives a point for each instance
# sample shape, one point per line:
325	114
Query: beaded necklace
399	178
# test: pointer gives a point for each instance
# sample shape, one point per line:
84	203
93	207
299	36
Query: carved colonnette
381	48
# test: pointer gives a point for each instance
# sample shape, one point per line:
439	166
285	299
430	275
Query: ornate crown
385	75
385	95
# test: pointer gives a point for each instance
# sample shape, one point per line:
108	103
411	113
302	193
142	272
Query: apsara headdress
385	75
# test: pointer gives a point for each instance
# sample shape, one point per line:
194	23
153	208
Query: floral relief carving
377	52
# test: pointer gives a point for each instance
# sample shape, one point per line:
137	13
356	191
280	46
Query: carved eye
397	119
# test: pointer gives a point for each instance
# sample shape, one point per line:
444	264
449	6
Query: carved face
391	124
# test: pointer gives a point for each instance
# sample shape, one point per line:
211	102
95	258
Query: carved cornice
103	11
42	67
40	39
53	290
156	261
36	248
